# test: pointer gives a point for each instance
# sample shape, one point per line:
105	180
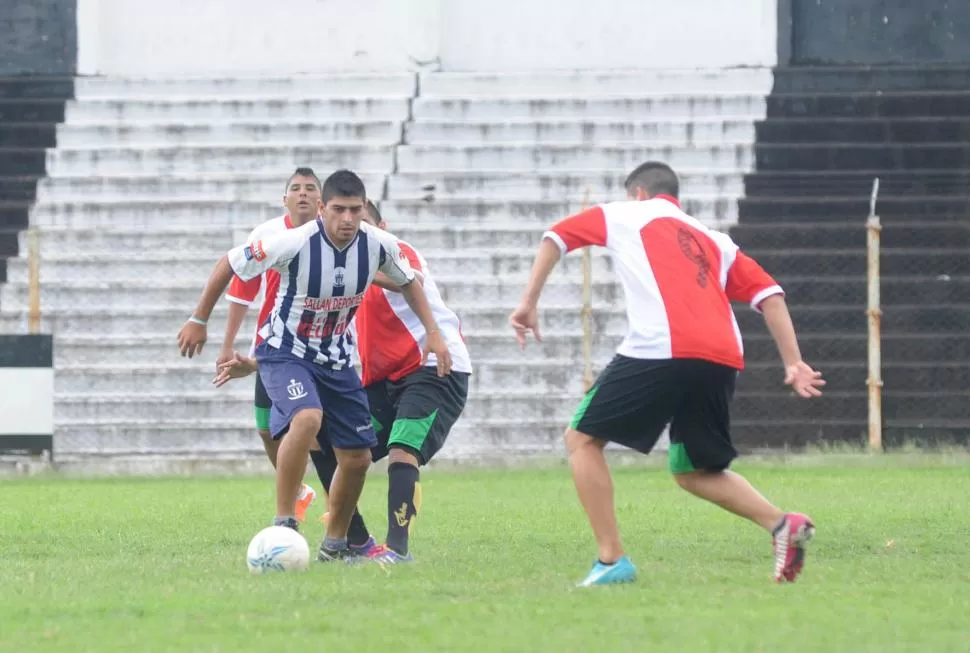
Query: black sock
325	462
403	497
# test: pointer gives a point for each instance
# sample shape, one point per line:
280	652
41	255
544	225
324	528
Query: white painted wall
254	37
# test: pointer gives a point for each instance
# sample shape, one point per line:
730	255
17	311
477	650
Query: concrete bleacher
152	181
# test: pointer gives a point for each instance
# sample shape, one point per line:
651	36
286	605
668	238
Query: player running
301	199
412	408
304	358
677	365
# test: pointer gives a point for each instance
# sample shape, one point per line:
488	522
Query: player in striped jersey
412	408
305	357
301	199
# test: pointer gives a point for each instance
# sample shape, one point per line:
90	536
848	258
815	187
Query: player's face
341	218
302	198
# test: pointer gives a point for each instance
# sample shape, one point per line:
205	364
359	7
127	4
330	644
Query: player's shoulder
270	227
375	234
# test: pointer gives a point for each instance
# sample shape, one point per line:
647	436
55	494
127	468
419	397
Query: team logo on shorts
338	277
295	390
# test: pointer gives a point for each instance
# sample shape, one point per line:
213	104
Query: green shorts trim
412	432
583	406
677	459
262	418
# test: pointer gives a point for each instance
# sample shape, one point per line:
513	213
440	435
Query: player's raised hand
191	338
523	320
804	380
235	368
435	344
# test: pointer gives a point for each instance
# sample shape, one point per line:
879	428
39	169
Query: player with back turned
677	365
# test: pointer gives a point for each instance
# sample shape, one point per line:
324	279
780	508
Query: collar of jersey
672	200
326	238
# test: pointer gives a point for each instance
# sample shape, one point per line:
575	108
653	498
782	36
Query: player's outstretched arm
799	375
434	342
192	336
526	317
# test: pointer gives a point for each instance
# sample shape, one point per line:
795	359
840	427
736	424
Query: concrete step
852	262
739	106
861	156
125	111
58	220
120	297
73	350
572	185
679	132
849	183
889	104
196	268
896	405
221	159
237	401
179	436
844	235
146	436
896	348
227	187
300	86
897	319
712	157
813	208
112	134
753	435
595	83
901	289
400	214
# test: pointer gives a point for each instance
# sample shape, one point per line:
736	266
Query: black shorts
262	405
633	400
417	412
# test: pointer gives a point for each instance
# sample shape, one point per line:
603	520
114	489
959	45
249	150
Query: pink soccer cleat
789	540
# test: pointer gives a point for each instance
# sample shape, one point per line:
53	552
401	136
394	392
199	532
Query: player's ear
320	206
382	225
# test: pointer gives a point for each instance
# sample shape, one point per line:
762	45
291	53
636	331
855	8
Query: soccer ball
278	548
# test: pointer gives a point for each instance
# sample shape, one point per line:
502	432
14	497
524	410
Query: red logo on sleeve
258	253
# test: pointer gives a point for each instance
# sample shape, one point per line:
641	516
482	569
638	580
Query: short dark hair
302	172
343	183
654	178
374	212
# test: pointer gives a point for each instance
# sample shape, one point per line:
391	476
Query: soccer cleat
365	548
385	556
303	501
326	554
289	522
621	571
789	540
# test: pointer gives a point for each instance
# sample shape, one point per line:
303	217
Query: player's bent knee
306	421
403	455
575	440
353	459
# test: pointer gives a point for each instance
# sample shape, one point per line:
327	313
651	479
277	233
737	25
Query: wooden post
33	281
874	313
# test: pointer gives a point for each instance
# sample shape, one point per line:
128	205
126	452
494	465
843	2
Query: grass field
159	565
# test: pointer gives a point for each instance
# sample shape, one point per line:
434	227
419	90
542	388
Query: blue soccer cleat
621	571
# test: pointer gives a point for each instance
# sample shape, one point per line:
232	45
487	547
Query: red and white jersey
391	338
262	288
678	277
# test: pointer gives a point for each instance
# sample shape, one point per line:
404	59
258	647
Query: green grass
159	565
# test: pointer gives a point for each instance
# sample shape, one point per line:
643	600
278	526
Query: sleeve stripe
765	294
555	238
239	300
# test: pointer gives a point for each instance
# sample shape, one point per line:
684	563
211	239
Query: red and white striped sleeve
748	282
244	292
584	229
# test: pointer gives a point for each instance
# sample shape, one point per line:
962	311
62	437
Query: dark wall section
38	37
873	32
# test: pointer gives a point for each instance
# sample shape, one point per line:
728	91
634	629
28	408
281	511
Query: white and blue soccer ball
278	548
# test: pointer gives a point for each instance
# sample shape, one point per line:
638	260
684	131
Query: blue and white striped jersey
321	286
